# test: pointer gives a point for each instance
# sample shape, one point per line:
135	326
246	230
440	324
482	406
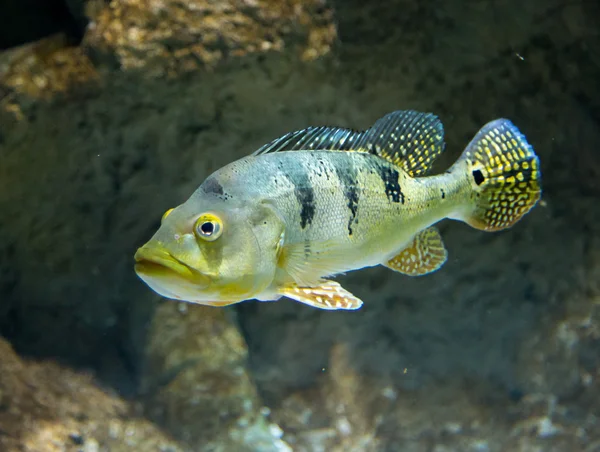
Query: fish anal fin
425	254
327	295
406	138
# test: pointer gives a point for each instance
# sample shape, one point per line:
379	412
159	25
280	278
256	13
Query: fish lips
157	264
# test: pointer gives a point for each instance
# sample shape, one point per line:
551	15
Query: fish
321	201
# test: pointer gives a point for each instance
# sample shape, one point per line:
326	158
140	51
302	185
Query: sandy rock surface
47	408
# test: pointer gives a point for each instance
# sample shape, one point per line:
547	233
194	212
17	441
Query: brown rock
171	37
47	408
41	71
354	412
197	385
34	95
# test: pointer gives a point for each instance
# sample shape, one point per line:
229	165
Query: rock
197	386
171	37
354	412
561	360
43	70
46	407
57	88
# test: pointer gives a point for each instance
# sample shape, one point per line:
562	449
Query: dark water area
113	112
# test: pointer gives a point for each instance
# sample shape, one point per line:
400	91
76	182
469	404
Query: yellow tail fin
505	175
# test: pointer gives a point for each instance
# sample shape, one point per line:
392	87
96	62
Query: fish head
212	251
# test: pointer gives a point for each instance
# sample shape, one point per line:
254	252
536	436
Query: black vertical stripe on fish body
390	178
347	175
304	194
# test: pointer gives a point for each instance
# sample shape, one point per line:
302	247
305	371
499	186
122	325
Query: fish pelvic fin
328	295
407	138
425	254
505	176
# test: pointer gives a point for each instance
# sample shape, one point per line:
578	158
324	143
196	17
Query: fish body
345	210
322	201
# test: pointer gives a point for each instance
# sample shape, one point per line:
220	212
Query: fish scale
377	212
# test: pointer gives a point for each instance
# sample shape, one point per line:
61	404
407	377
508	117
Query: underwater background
112	112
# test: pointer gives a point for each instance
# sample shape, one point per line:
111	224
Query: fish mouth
157	263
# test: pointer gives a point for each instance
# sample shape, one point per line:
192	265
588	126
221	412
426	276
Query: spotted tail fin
504	172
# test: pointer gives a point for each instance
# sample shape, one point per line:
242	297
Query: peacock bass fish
326	200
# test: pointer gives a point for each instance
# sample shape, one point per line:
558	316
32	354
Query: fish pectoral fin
425	254
308	262
327	295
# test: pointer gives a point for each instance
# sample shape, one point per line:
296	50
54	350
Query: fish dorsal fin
313	139
407	138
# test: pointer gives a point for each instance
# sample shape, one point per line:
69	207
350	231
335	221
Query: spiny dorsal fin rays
410	139
313	139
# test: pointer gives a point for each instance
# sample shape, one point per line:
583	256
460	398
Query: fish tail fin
505	177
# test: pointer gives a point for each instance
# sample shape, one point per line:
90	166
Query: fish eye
166	214
209	227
